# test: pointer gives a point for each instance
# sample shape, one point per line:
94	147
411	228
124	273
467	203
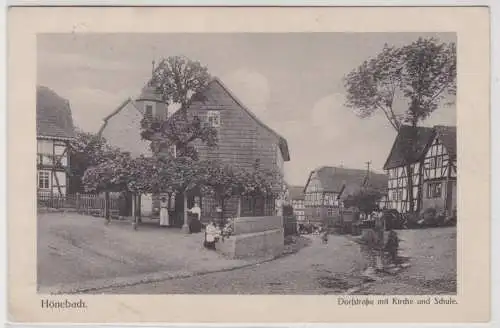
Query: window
213	118
148	113
434	190
43	180
45	152
330	211
318	211
432	162
439	161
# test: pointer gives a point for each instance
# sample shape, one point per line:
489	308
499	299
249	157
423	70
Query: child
324	236
211	235
392	246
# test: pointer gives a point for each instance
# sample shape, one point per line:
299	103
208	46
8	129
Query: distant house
54	131
297	199
429	154
243	139
328	186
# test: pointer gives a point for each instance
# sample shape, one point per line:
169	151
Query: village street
328	269
80	254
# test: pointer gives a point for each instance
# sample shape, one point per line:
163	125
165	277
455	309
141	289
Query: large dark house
243	141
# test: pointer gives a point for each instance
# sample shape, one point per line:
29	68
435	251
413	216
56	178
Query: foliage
179	132
422	73
186	174
110	174
85	151
151	174
179	79
225	181
366	200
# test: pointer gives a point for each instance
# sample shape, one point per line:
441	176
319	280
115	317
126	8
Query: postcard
249	164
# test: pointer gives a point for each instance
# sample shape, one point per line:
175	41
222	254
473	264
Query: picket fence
91	204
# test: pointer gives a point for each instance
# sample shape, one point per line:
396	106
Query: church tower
150	102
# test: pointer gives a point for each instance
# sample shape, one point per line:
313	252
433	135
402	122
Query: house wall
123	131
299	209
398	195
52	163
438	170
241	140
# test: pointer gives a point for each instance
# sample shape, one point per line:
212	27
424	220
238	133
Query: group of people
164	214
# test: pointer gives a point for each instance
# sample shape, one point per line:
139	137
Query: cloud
252	88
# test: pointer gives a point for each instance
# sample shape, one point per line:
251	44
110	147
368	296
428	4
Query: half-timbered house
440	170
421	153
54	128
328	186
298	202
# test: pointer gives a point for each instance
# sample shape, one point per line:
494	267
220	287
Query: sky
291	81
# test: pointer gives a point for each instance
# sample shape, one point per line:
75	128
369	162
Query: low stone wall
254	237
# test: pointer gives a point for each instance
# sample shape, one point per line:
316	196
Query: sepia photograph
187	164
247	163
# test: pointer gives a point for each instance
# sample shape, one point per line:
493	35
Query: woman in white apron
164	219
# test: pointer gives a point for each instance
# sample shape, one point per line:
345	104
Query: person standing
195	223
164	218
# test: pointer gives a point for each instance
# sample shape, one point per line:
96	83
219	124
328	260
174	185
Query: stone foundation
254	237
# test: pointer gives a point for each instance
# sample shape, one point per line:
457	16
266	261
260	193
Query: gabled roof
409	146
212	101
115	112
448	137
296	192
347	181
53	115
412	142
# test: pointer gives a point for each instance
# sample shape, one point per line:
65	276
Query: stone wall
254	237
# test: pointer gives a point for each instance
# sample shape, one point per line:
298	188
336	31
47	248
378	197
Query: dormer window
213	118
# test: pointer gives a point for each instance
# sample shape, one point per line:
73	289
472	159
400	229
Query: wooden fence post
106	207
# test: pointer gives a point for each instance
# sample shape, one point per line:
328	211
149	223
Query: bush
413	220
451	220
394	220
433	217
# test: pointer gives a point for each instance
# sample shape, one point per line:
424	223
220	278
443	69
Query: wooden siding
242	140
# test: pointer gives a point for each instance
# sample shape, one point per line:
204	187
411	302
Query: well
260	236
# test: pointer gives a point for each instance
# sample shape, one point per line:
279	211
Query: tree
111	174
423	73
85	151
179	80
365	200
185	175
225	181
